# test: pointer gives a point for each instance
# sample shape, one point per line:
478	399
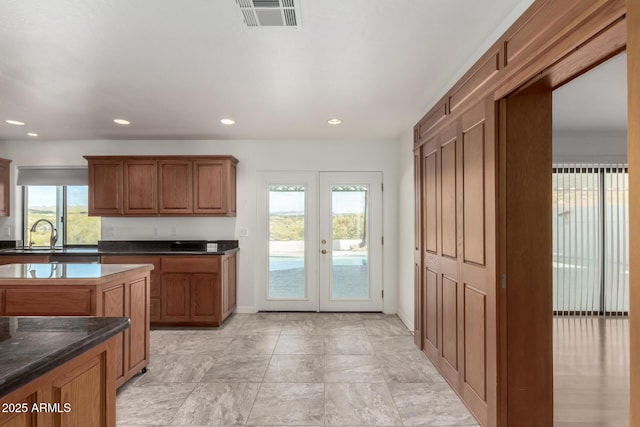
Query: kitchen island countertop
69	272
33	346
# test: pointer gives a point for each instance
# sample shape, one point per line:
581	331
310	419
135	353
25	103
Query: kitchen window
66	207
60	196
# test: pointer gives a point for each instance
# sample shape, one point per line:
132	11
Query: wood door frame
550	44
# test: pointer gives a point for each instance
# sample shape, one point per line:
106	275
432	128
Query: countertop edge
37	368
71	252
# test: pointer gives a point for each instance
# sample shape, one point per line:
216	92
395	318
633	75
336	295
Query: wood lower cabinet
228	287
205	302
81	392
124	295
198	291
176	297
155	277
162	185
5	187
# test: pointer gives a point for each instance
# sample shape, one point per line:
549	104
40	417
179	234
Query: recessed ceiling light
32	134
334	121
227	121
15	122
122	121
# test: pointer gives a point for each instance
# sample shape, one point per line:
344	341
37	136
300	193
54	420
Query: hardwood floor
591	371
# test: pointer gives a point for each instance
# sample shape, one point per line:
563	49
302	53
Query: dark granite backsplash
163	245
9	244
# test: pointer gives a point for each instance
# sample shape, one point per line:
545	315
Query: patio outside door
322	241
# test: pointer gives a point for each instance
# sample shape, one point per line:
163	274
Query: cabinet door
5	187
155	310
140	187
175	297
210	186
105	187
113	305
86	388
205	299
228	285
19	418
138	312
1	302
176	187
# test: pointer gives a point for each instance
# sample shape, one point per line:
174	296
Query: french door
321	236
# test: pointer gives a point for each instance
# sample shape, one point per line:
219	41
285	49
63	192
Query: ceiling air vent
269	13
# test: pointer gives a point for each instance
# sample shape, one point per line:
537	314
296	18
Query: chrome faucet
54	233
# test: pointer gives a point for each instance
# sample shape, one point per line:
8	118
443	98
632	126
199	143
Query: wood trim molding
553	42
633	135
547	33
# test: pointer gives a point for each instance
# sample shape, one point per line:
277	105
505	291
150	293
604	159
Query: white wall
603	147
253	156
406	229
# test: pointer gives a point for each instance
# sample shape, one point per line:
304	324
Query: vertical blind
590	239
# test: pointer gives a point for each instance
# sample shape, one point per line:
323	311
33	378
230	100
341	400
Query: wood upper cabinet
5	187
105	186
176	186
140	187
162	185
214	187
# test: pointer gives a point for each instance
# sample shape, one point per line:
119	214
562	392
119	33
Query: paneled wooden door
458	296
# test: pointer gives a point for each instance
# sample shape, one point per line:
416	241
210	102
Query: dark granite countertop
33	346
136	247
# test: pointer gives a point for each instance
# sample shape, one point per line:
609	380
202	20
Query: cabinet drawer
186	264
58	302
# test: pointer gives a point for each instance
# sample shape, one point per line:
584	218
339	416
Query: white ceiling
595	102
174	68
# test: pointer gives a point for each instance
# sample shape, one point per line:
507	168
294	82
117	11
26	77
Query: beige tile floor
277	369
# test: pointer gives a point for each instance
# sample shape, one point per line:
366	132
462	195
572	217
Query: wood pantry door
458	267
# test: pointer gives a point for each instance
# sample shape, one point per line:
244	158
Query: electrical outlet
244	231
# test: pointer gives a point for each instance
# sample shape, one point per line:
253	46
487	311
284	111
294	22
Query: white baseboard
389	310
408	322
245	309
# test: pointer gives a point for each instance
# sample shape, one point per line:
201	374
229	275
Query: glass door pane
41	203
350	224
350	254
287	241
